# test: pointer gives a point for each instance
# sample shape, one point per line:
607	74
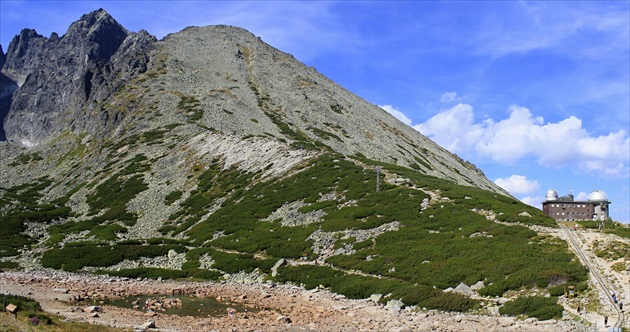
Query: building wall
561	210
572	210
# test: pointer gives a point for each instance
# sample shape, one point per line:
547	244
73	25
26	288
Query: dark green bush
22	302
9	265
20	204
149	273
557	290
113	194
358	287
75	257
191	265
543	308
172	197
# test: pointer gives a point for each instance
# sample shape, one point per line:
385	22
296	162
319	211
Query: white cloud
448	97
521	135
582	196
518	184
397	114
454	129
534	201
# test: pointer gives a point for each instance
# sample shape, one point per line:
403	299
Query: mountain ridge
92	84
210	153
89	62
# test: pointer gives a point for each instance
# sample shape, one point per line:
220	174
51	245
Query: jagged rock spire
90	61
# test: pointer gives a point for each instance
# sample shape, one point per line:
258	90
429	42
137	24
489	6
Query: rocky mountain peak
92	60
99	30
3	57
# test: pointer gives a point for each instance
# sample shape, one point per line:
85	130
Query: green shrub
172	197
449	302
22	302
75	257
191	265
557	290
9	265
20	204
113	194
543	308
359	287
149	273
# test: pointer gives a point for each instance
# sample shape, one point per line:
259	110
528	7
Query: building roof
597	196
551	195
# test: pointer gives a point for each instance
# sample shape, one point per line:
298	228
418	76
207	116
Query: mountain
210	153
95	57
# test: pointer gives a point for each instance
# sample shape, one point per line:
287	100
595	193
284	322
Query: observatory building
565	208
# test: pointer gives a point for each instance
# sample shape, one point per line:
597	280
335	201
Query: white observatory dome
551	195
597	196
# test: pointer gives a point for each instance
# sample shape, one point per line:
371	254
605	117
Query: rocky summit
211	155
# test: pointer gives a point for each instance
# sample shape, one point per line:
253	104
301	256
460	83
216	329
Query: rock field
284	308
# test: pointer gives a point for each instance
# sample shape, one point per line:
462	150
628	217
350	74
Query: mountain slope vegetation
222	156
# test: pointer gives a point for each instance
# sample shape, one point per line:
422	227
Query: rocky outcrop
7	87
3	57
61	80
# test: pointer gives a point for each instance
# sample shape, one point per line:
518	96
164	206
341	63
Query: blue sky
535	93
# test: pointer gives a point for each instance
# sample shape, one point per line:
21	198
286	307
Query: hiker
230	312
578	310
605	321
620	306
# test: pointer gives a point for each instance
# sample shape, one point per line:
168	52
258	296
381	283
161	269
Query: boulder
283	319
425	203
506	321
279	263
148	325
394	305
462	288
478	285
91	309
502	301
376	297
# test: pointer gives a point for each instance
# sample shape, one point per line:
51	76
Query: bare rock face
217	77
56	83
7	87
